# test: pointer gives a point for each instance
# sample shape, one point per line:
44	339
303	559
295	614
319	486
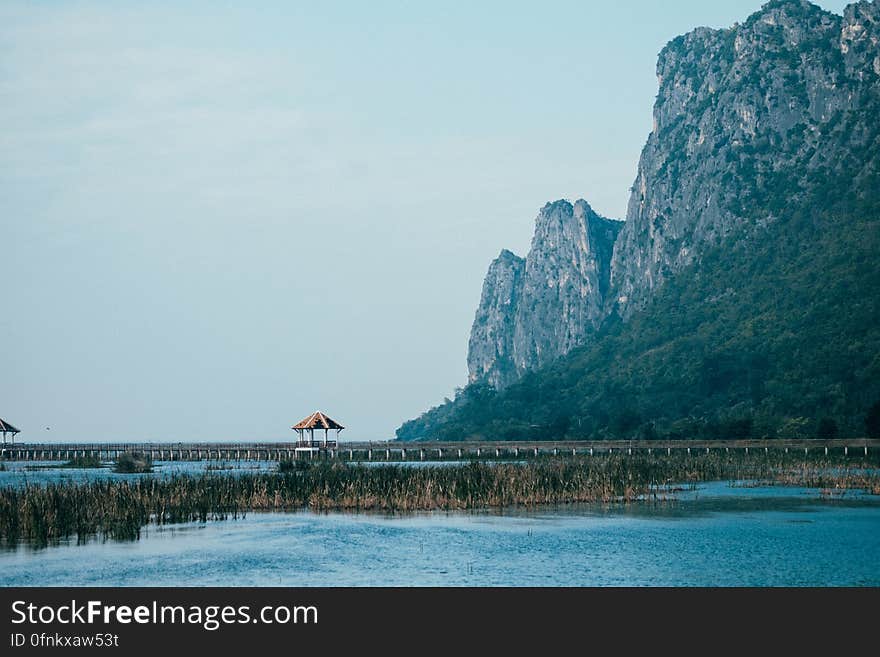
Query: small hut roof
318	420
5	427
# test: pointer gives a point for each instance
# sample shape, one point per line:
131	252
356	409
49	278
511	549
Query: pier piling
426	451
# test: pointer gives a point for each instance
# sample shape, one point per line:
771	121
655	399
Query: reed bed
84	462
133	463
119	509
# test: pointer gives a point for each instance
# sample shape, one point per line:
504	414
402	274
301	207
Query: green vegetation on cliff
745	291
774	332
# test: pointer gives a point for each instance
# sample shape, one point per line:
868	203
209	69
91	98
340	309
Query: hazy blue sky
217	218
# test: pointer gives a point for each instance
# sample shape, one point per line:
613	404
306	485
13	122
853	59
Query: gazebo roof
5	427
318	420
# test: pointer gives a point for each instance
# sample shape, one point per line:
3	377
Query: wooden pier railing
397	451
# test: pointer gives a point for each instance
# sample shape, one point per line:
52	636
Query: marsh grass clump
293	465
90	461
119	509
133	463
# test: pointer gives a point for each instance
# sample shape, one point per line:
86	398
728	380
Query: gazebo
5	428
317	420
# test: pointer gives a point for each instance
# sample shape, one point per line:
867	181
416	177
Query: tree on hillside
872	421
827	429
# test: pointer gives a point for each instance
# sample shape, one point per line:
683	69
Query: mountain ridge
775	118
535	309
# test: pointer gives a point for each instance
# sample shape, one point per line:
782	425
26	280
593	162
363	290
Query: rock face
747	117
740	115
490	349
536	309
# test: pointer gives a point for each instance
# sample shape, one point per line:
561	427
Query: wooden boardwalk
426	451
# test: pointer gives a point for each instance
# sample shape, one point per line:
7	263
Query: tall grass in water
133	463
119	509
85	462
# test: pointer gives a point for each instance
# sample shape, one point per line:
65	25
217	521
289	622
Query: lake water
714	535
20	473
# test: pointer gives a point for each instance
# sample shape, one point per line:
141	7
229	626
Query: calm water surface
20	473
715	535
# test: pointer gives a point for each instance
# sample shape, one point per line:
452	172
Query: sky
218	217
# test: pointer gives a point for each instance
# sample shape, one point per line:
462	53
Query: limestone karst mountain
534	310
742	286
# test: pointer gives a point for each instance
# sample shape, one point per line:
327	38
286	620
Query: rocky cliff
536	309
761	109
744	276
747	120
490	349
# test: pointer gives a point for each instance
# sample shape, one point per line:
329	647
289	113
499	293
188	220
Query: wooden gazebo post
316	420
5	428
